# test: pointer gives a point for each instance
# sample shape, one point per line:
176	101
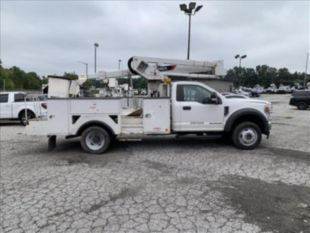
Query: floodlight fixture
192	6
183	7
198	8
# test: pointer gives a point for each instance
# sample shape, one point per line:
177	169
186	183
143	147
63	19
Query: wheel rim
95	140
248	136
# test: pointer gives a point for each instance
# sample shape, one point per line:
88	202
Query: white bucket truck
182	107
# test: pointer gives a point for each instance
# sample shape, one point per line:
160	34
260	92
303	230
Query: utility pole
86	66
305	78
96	45
119	64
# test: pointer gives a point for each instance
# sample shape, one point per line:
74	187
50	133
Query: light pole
239	70
190	10
96	45
119	64
240	58
86	66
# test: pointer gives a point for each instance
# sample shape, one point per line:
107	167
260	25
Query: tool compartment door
156	116
58	116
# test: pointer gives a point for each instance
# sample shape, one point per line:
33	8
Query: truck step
132	130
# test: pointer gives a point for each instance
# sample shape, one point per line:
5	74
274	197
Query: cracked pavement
160	185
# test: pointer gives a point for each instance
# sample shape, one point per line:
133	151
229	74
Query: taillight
44	105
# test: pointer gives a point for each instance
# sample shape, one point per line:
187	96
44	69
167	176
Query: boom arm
157	68
153	69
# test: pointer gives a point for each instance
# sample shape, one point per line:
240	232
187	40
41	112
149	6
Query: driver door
196	111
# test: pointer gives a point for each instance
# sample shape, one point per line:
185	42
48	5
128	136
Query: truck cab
197	107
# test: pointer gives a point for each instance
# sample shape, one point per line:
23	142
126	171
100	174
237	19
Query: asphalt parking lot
161	185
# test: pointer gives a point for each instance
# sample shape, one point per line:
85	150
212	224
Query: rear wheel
246	135
23	117
95	140
302	106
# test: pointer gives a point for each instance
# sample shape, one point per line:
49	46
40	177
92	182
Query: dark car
300	99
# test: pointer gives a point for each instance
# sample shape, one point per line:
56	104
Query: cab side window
4	98
193	93
19	97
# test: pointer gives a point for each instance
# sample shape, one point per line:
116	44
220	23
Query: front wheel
95	140
246	135
302	106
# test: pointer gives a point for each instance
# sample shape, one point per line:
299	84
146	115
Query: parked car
300	99
257	88
247	92
272	89
17	106
284	90
235	96
227	93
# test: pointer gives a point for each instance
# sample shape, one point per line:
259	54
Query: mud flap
51	142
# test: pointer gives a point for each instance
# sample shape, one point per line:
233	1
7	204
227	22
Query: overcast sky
50	37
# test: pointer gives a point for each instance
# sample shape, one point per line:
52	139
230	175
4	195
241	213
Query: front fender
248	114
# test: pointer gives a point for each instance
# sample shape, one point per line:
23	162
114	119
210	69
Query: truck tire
302	106
246	135
95	140
22	116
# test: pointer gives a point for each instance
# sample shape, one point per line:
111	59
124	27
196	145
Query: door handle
187	107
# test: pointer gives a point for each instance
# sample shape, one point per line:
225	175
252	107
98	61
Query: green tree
139	83
263	75
5	82
33	81
15	78
88	84
72	76
18	77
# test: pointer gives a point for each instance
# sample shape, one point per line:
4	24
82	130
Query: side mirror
213	97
